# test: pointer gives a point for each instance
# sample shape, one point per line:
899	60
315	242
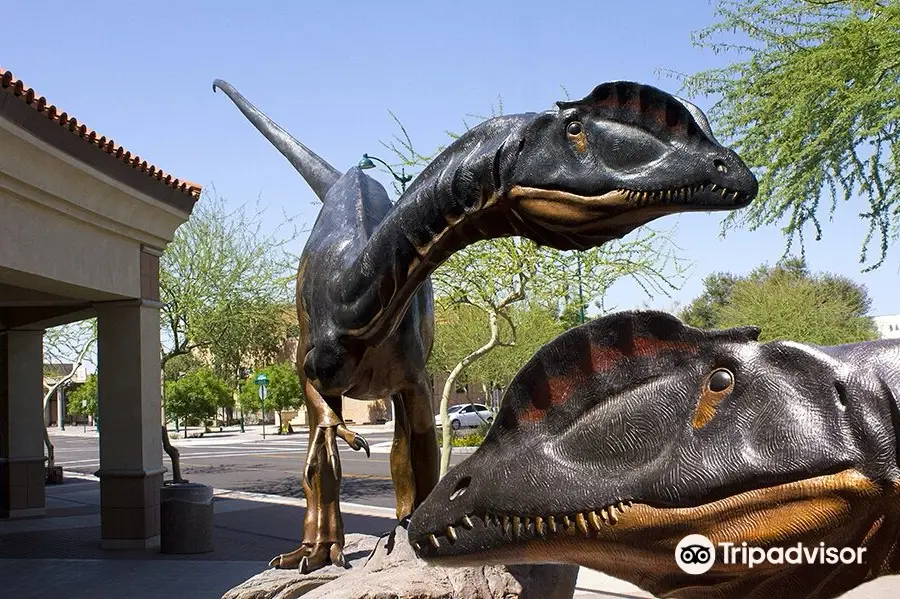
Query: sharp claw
365	445
303	566
337	556
275	562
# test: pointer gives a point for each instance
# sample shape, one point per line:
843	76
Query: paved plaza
59	554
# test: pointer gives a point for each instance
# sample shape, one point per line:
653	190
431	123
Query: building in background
888	326
52	375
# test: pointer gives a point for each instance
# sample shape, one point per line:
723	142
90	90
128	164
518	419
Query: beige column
131	471
21	424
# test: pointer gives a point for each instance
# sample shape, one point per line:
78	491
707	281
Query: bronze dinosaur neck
455	202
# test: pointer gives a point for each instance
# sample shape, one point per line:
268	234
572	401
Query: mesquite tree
812	104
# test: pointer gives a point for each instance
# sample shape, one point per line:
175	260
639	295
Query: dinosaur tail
318	174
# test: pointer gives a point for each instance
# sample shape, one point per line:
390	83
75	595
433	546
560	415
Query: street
247	462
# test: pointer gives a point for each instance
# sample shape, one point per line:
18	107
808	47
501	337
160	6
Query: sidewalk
59	555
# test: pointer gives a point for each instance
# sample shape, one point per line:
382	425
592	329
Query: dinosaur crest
606	355
643	106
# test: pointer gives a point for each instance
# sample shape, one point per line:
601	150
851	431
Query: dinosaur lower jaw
566	211
639	543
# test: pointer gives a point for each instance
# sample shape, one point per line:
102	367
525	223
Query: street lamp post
580	290
402	178
263	381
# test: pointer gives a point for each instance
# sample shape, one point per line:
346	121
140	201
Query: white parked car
467	415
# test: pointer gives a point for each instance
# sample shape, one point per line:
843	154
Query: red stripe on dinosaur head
557	390
606	358
647	347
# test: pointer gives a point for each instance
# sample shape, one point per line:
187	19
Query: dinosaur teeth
581	523
526	523
604	513
594	520
613	515
433	540
451	534
467	523
516	526
505	524
417	547
539	525
567	523
551	523
620	506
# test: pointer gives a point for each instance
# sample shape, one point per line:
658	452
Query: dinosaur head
626	434
626	154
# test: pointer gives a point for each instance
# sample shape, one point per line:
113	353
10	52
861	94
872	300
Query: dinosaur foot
309	557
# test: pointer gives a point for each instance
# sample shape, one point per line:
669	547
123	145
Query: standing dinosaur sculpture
624	435
571	178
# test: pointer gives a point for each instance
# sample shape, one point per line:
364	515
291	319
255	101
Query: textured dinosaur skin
575	177
622	436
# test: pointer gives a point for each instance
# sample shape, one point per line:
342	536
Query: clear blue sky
330	71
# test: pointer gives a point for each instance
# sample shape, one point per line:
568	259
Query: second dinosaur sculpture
625	435
572	178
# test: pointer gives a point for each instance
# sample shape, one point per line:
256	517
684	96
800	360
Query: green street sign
262	379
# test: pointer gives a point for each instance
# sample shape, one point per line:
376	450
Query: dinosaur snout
732	177
444	523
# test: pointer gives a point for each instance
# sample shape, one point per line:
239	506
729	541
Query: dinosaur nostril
461	487
841	393
720	166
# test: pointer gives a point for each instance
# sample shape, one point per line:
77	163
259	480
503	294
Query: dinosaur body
573	178
626	434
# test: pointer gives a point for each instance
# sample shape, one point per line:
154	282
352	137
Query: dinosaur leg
414	455
323	526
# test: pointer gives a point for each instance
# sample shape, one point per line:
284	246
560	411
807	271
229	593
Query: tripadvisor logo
696	554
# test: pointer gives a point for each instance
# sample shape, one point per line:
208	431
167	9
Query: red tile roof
9	84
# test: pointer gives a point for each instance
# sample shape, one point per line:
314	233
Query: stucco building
888	326
83	223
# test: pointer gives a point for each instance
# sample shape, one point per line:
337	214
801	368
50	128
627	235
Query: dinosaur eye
574	128
720	380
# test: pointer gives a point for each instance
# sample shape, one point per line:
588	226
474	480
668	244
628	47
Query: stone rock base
393	571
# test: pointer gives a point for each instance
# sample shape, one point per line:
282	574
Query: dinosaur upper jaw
625	539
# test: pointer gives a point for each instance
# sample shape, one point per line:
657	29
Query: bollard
186	518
